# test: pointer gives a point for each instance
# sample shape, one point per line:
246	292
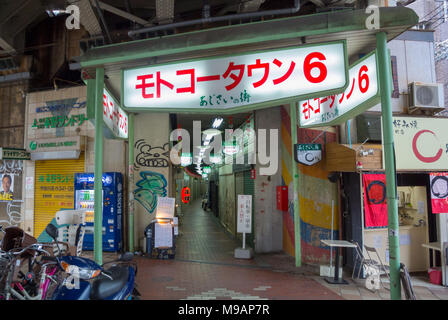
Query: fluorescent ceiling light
211	132
217	122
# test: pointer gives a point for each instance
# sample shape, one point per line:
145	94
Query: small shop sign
308	154
230	148
60	107
361	94
55	144
243	81
14	154
115	118
420	143
244	224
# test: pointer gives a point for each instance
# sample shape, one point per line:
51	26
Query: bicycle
27	288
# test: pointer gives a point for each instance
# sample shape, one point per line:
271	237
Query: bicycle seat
103	287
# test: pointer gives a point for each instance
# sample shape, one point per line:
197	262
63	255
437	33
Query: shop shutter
248	183
54	189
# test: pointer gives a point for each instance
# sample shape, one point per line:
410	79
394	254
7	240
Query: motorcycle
87	280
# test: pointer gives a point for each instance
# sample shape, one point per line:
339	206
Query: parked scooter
89	281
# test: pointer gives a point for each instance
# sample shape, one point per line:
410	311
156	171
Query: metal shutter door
54	189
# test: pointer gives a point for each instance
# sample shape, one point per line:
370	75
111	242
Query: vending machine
112	195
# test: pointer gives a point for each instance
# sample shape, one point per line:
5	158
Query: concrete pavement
204	269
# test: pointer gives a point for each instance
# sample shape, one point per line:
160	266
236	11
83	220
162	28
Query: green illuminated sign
59	121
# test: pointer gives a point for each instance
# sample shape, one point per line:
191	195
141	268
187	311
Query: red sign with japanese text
114	117
237	81
363	87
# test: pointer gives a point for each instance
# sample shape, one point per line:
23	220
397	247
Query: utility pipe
295	178
384	67
293	10
131	181
98	182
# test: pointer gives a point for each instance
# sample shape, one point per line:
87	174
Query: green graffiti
151	186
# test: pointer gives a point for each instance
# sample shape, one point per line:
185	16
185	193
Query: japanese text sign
361	94
165	207
238	81
14	154
244	215
420	143
56	144
114	117
308	154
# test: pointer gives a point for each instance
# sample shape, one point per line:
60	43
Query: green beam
295	178
98	184
389	161
131	181
210	40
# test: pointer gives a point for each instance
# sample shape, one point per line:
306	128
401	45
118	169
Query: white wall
415	62
268	220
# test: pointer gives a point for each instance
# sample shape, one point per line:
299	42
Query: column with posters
11	176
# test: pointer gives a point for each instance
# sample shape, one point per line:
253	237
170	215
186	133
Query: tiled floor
205	268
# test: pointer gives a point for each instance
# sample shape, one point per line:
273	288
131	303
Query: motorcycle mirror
127	256
52	231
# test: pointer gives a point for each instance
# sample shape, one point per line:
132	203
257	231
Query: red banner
439	192
375	203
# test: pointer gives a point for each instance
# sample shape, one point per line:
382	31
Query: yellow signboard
54	189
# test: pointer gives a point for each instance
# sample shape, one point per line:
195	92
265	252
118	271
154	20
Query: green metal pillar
98	184
131	181
295	178
389	161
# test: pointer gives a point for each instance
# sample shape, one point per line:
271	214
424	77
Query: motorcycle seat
103	287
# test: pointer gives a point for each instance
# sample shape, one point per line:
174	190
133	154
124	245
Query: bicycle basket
16	238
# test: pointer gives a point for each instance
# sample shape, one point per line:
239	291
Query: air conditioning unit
426	97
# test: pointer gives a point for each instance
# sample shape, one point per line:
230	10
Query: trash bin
149	235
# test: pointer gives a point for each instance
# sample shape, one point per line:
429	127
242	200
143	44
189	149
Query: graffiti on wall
14	167
10	192
151	186
151	156
315	197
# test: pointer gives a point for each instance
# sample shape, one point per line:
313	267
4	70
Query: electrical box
282	198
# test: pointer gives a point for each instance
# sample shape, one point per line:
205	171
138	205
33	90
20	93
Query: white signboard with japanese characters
361	94
244	223
114	116
165	208
420	143
308	153
235	82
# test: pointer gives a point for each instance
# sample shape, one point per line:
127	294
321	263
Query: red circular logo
418	154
